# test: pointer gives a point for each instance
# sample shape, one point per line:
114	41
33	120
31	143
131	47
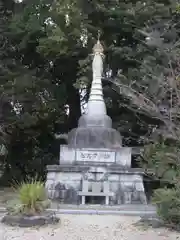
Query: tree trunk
74	106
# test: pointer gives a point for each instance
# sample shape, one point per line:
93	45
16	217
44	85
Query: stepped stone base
64	182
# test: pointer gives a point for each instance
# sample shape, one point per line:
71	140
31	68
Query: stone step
128	207
126	210
149	214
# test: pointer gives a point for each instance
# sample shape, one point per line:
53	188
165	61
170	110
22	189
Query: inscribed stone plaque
95	156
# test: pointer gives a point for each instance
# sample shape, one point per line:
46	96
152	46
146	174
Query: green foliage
44	60
31	198
162	160
168	204
31	104
30	193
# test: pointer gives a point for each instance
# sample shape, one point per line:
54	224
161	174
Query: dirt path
89	227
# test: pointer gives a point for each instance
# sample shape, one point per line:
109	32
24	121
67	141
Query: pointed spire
98	48
96	104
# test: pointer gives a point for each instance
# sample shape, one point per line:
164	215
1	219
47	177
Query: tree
46	65
134	67
29	106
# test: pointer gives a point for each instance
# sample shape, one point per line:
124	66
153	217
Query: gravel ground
89	227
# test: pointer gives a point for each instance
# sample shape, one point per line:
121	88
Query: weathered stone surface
68	176
94	155
148	221
116	169
67	154
30	221
127	185
121	157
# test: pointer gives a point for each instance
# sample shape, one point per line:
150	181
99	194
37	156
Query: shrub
168	204
32	198
163	161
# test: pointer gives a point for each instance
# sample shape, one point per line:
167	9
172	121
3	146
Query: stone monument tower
94	153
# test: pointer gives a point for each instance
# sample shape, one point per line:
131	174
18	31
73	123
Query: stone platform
66	180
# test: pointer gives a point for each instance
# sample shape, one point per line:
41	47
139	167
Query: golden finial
98	48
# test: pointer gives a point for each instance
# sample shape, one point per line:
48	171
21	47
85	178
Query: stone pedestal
101	156
126	184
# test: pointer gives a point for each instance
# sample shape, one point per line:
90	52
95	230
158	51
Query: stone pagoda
94	154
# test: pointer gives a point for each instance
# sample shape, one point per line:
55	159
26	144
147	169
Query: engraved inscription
89	156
